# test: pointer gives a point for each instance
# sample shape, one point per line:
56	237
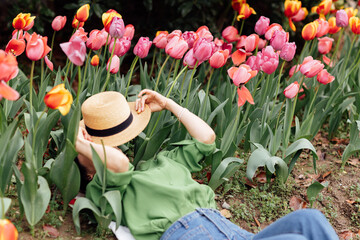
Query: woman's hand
154	100
83	135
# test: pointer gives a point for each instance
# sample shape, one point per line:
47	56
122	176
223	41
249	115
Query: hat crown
105	110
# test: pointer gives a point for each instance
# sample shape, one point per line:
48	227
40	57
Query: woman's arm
116	160
197	128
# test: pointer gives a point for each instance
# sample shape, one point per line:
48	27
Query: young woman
160	199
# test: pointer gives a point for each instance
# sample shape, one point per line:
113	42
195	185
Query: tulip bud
176	47
59	98
58	23
332	26
107	18
202	49
76	24
278	40
142	47
288	51
292	90
117	28
23	21
160	39
310	67
95	60
37	47
309	30
230	34
323	28
251	42
219	58
301	15
189	59
324	77
115	64
261	25
82	13
342	19
129	31
190	37
324	45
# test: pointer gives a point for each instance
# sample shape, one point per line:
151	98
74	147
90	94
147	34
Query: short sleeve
189	153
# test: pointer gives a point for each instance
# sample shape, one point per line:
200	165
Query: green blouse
161	191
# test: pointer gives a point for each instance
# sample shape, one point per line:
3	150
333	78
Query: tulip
243	96
107	18
49	64
117	28
82	13
324	77
238	57
251	62
190	60
8	66
354	23
271	30
58	23
219	58
268	60
292	90
129	31
227	46
7	230
342	19
230	34
309	30
324	45
59	98
10	94
96	40
142	47
279	39
80	33
174	33
176	47
94	60
236	4
301	15
288	51
203	49
310	67
245	11
115	64
351	12
323	28
122	46
17	34
332	26
251	42
37	47
261	25
75	50
241	42
203	32
15	46
292	7
160	39
23	21
261	44
76	24
241	75
294	69
327	60
190	37
323	8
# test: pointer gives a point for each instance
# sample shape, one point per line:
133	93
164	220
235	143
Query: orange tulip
292	7
323	8
332	26
94	60
309	30
23	21
245	11
15	46
82	13
7	230
8	66
354	23
243	96
75	23
59	98
107	18
36	47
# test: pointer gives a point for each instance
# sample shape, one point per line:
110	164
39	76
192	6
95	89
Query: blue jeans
307	224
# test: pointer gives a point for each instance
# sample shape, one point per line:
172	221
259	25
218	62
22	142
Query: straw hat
110	117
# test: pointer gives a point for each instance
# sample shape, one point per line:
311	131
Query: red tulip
292	90
122	46
261	25
294	69
129	31
107	18
36	47
310	67
323	8
58	23
94	60
76	24
160	39
243	96
142	47
245	11
351	12
96	40
115	64
324	77
176	47
59	98
7	230
327	60
230	34
219	58
332	26
23	21
75	50
354	23
15	46
292	7
324	45
82	13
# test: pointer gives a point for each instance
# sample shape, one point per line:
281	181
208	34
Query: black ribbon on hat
110	131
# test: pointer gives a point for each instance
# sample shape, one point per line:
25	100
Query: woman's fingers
143	100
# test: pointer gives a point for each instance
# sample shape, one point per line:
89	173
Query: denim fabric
207	224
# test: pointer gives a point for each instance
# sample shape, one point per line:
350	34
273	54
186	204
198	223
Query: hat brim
140	121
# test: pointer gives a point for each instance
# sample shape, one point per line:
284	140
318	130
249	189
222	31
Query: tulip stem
131	72
182	85
337	45
177	67
31	85
160	71
109	67
233	21
189	88
2	206
171	68
242	26
207	93
106	44
153	62
79	86
52	45
348	54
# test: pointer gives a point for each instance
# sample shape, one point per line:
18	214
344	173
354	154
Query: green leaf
275	143
226	168
216	111
314	189
298	145
114	199
7	202
80	204
73	127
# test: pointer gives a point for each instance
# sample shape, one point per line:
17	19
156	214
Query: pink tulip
129	31
219	58
142	47
230	34
324	45
251	42
203	32
117	28
288	51
324	77
227	46
7	92
173	34
342	19
278	39
271	30
176	48
292	90
81	34
241	75
58	23
327	60
251	62
203	49
241	42
36	47
115	64
261	44
122	46
323	28
301	15
189	59
49	64
294	69
269	60
8	66
261	25
96	40
160	40
190	37
75	50
310	67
